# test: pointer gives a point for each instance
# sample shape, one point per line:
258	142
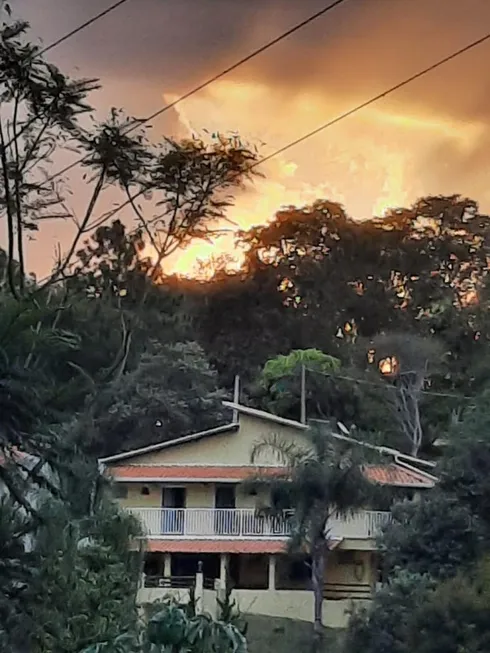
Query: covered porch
270	584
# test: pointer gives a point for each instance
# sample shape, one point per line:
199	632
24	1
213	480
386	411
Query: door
173	504
226	520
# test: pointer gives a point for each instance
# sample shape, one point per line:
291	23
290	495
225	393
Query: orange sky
367	160
430	138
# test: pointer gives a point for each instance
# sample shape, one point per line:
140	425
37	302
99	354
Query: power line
348	113
376	98
81	27
330	123
214	78
248	58
431	393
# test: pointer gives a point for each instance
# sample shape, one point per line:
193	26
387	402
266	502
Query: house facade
198	519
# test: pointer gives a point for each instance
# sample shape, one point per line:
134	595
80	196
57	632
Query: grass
275	635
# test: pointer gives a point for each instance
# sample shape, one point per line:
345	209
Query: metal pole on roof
303	395
236	398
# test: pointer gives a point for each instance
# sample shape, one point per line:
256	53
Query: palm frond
320	482
279	450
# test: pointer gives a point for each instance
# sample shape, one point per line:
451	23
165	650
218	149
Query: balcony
205	523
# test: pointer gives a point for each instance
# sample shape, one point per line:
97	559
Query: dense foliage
436	557
383	325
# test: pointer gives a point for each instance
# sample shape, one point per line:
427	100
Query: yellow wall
366	544
272	603
137	500
294	605
198	495
356	573
232	448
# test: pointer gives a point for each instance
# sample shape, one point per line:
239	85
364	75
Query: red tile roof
216	546
396	475
189	472
390	474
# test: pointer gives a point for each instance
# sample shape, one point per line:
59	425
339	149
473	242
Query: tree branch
10	216
18	201
88	213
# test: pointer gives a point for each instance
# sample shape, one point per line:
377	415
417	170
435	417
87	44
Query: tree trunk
317	580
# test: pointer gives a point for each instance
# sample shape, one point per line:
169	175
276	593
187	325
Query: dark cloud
150	47
147	47
355	49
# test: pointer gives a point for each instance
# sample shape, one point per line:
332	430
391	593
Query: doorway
173	514
226	519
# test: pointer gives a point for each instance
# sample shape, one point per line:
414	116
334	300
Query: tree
465	466
383	627
17	568
332	393
173	391
434	535
381	273
91	582
406	362
240	323
435	551
454	617
185	186
319	482
313	277
412	613
280	378
191	184
74	581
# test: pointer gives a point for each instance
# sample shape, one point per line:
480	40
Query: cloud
431	137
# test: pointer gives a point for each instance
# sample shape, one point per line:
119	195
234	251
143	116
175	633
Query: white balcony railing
365	524
246	523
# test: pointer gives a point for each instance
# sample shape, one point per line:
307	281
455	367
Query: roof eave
169	443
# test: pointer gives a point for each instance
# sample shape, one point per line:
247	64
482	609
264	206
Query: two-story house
189	497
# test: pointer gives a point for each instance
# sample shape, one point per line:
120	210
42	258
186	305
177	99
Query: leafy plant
172	631
230	612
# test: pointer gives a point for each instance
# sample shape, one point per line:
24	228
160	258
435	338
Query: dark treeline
388	317
411	286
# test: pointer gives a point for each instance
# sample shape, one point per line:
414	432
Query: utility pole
303	395
236	398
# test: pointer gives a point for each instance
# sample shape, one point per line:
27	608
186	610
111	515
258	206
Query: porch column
167	565
199	589
272	572
223	570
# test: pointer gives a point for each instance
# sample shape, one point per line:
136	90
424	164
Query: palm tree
321	480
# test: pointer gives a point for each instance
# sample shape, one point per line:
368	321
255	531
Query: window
293	574
120	491
346	557
145	491
299	571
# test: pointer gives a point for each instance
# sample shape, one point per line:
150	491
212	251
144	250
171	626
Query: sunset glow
368	162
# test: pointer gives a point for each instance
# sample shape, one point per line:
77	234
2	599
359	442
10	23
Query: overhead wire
343	116
346	114
382	386
200	87
376	98
310	19
82	26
